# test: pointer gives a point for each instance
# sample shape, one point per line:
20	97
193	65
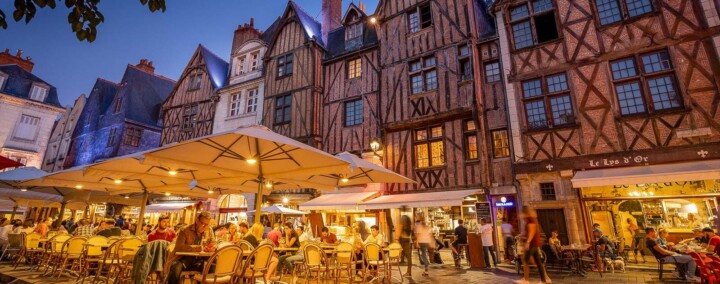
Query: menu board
483	211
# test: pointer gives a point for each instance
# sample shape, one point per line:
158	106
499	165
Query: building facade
189	111
120	118
603	93
241	102
59	143
29	107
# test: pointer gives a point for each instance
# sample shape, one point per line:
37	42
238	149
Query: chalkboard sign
482	210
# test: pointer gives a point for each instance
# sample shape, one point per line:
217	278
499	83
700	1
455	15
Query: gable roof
337	45
217	68
20	81
145	92
485	20
312	28
352	7
268	35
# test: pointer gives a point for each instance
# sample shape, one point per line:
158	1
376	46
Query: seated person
255	235
375	237
604	246
327	237
291	241
107	229
189	239
555	243
662	238
670	257
713	241
162	232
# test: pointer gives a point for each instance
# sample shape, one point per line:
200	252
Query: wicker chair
30	249
72	251
15	244
374	257
256	264
315	262
225	270
393	260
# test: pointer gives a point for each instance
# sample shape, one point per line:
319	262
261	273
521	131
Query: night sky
130	32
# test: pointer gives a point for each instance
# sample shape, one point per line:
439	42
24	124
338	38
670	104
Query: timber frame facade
636	81
434	109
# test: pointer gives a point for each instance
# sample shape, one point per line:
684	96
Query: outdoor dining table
575	252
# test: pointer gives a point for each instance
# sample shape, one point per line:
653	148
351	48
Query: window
354	112
423	76
282	109
652	82
501	147
111	137
254	58
354	68
3	79
612	11
533	26
471	145
547	191
285	65
420	18
38	93
240	67
118	105
195	82
190	117
547	102
132	136
252	98
492	71
27	128
465	64
429	147
353	31
235	100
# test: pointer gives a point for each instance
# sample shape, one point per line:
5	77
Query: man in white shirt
486	231
375	237
304	236
507	231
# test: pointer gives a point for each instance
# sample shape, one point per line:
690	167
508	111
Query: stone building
59	143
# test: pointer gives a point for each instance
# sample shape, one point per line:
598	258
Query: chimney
146	66
331	16
244	33
7	58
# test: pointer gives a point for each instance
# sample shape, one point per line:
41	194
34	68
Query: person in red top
162	232
275	234
327	237
44	227
713	241
532	246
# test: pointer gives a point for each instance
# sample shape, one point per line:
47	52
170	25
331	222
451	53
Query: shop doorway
553	219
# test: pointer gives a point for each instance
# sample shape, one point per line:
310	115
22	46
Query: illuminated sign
504	203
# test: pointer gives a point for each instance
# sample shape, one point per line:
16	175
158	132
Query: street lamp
375	146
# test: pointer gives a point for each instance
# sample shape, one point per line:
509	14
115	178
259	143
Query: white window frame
254	60
31	135
240	68
251	100
34	93
235	104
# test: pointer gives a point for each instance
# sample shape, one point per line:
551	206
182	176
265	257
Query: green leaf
18	15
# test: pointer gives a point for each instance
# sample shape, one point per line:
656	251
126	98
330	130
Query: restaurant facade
613	113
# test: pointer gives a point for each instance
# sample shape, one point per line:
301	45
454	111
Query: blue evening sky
130	32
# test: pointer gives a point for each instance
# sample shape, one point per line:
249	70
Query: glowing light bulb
79	186
118	181
172	173
268	184
127	196
285	200
167	194
23	189
251	161
373	20
211	191
344	180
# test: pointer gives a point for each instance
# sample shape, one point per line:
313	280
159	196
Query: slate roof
106	91
270	32
144	93
217	68
20	81
337	47
485	20
312	28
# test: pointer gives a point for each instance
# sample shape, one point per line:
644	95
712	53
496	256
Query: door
553	219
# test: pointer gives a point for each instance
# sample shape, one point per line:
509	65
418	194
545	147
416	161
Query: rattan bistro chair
394	256
374	257
315	262
71	251
30	249
15	244
345	261
53	247
256	264
225	270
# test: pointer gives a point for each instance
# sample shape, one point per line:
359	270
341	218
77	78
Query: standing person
404	237
509	240
460	239
44	227
633	229
190	239
83	228
486	232
670	257
423	240
532	246
120	222
275	234
163	231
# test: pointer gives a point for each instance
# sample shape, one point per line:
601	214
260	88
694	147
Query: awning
338	201
691	171
166	207
418	200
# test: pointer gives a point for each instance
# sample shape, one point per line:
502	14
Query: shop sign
504	203
482	210
611	162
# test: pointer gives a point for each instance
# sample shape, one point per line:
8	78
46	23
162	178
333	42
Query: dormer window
254	58
194	82
240	65
38	93
353	31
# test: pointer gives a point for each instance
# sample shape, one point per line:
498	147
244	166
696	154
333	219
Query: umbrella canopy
361	172
8	163
277	209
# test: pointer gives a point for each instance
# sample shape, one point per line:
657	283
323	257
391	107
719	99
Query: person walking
532	246
424	240
403	235
486	232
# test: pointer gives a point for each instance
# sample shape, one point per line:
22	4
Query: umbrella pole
141	218
258	203
12	216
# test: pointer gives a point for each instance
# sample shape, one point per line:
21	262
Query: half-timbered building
432	104
189	111
613	107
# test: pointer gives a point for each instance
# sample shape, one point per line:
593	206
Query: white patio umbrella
277	209
361	172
